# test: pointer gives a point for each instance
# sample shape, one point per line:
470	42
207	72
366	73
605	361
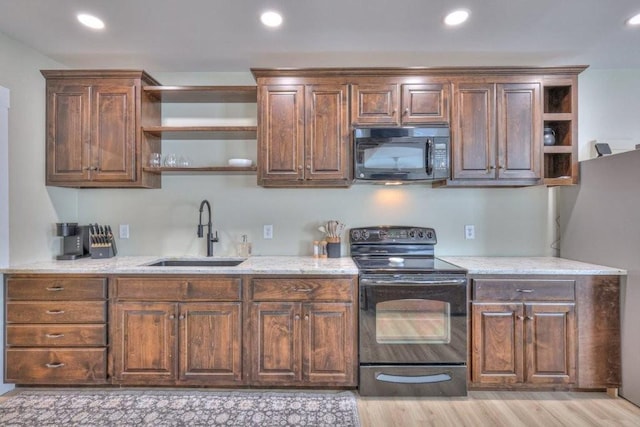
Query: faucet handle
215	239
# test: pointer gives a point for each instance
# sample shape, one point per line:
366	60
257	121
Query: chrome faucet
210	239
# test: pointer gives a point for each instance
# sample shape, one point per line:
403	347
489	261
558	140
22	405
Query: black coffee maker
75	242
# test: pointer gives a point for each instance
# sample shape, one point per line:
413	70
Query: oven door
421	320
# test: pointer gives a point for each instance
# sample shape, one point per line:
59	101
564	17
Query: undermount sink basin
196	263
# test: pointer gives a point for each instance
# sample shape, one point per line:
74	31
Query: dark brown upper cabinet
93	128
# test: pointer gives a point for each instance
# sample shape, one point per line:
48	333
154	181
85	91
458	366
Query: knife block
103	244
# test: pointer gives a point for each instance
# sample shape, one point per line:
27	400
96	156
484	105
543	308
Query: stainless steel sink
196	263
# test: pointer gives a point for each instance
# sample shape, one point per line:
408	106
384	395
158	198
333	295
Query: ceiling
226	35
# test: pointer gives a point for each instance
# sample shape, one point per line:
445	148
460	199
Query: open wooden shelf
246	94
202	132
203	169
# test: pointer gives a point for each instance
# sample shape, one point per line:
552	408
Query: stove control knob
355	234
412	234
365	235
420	234
383	234
430	235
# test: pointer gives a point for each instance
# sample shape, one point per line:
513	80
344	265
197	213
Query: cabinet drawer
56	366
165	289
57	312
306	289
56	335
523	290
56	288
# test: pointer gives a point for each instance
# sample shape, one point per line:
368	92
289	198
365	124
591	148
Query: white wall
4	177
4	209
599	221
33	208
609	110
163	222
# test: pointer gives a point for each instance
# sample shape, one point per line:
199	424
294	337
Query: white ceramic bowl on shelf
240	162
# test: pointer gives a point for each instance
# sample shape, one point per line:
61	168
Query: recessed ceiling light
90	21
634	20
271	19
456	17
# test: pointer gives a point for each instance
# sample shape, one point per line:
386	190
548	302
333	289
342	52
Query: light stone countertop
137	265
306	265
529	265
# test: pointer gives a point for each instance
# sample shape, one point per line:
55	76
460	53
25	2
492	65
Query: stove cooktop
397	264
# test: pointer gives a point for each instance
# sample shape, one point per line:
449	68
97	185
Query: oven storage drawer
523	290
415	380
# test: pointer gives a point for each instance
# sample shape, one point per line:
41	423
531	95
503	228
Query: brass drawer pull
55	311
54	335
302	290
54	365
525	291
56	288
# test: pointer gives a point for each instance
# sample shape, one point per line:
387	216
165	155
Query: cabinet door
144	343
473	131
519	126
375	104
497	343
327	139
113	133
276	343
329	344
68	133
210	343
425	103
281	133
550	343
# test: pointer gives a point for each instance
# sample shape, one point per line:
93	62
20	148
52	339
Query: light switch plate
124	231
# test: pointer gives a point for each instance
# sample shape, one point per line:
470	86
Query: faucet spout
210	237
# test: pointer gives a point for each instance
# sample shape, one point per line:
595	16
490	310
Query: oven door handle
414	282
420	379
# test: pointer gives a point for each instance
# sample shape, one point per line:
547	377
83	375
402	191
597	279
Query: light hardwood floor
508	409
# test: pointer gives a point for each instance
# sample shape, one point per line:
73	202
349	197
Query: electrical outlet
267	232
469	232
124	231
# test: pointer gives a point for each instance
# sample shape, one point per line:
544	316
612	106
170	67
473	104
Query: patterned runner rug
176	408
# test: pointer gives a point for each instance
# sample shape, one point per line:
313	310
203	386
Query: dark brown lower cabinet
523	343
171	342
184	337
303	332
545	332
56	330
303	344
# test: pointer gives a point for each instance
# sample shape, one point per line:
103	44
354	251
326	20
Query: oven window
413	321
394	157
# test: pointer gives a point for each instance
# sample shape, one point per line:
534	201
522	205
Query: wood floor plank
500	409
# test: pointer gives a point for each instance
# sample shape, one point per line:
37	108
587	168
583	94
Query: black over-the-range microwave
402	154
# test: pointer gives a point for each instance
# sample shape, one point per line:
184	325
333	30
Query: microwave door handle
429	157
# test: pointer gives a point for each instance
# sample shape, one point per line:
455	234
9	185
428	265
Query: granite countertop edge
530	265
306	265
